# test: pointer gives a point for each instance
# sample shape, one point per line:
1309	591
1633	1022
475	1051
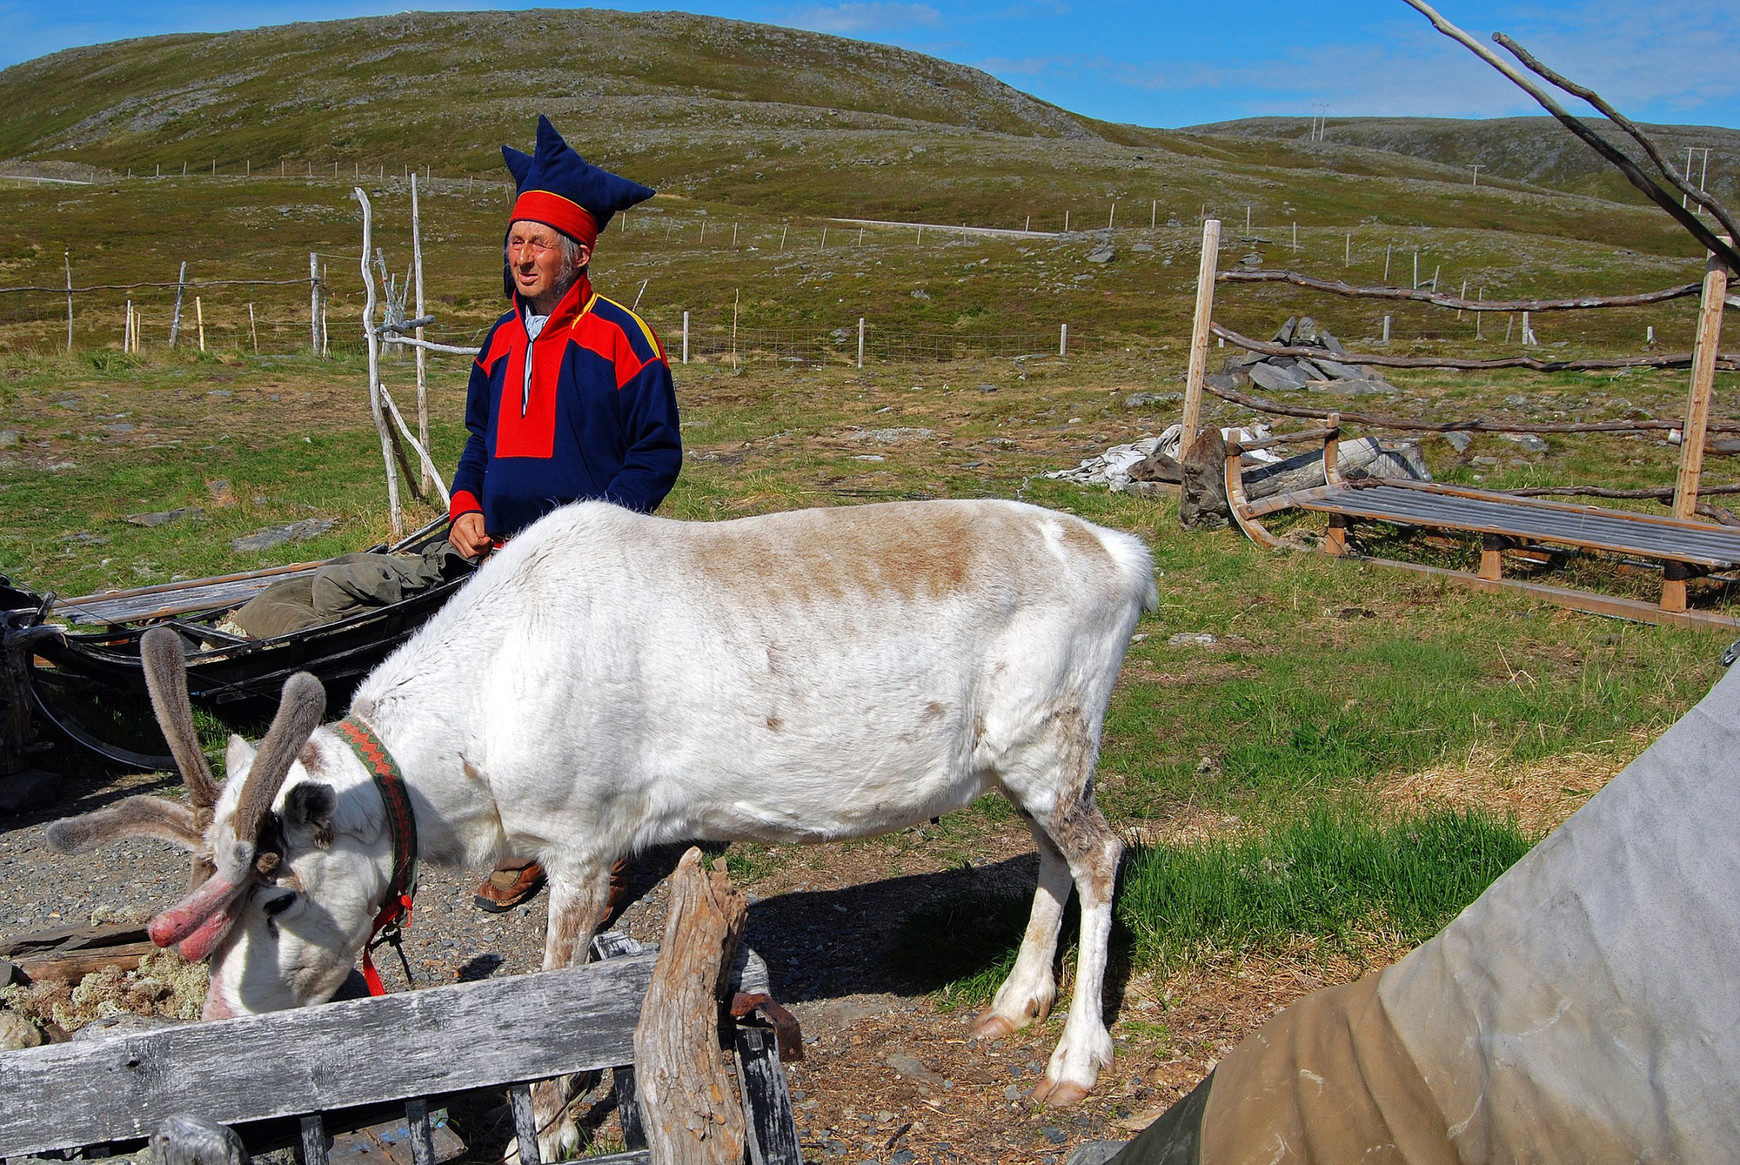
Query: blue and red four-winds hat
559	188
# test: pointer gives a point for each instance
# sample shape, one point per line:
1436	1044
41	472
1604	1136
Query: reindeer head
278	901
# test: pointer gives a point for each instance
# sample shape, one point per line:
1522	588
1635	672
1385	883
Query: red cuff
463	502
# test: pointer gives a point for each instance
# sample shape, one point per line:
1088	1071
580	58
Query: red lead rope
395	913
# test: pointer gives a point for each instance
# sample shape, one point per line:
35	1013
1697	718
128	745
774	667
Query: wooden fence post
860	341
374	342
175	320
199	321
69	309
683	1076
314	295
1063	340
685	337
422	373
1205	275
1698	401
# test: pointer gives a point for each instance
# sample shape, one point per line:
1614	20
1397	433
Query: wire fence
291	316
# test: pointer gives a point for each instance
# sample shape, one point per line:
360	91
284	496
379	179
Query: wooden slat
525	1123
422	1136
313	1140
773	1135
443	1039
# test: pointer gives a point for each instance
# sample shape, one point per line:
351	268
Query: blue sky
1160	62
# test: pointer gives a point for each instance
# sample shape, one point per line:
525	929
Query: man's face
534	255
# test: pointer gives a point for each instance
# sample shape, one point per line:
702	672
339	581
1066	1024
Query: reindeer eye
276	906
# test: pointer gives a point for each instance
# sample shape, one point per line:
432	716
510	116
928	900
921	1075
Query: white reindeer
610	681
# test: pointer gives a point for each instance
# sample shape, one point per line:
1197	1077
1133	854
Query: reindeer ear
238	756
309	808
133	817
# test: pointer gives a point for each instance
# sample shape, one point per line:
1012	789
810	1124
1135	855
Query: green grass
1327	878
1324	882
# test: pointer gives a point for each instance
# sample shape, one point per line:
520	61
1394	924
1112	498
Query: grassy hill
1536	151
756	137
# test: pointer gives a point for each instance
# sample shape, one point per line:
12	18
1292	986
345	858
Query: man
570	396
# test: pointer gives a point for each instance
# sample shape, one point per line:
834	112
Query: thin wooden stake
1703	375
314	294
1063	340
69	308
422	374
199	321
736	298
860	341
374	343
253	331
1198	370
180	287
685	337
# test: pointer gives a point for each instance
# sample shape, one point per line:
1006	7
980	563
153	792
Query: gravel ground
888	1074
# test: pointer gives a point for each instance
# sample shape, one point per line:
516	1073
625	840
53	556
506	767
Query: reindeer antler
165	664
298	715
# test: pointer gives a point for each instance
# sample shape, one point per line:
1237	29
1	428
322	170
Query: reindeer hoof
1053	1095
991	1026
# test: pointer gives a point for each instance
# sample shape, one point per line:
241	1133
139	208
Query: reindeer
611	681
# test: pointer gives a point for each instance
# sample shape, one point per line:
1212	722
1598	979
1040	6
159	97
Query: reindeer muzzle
200	921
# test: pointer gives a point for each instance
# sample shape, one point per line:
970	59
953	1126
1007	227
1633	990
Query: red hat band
564	214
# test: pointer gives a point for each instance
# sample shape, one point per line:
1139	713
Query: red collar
571	307
395	912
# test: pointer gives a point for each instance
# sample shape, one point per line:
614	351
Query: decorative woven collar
401	828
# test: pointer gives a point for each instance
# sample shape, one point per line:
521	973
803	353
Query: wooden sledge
1685	549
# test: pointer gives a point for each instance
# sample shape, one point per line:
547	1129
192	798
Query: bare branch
1705	237
1337	287
1682	183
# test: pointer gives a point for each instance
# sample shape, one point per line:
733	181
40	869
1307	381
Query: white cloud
852	19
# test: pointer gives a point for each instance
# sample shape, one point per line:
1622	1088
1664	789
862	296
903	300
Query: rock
221	393
1102	254
1227	379
1094	1152
1157	466
910	1068
1634	413
120	427
278	535
1253	259
1143	247
1193	639
1517	400
1531	442
1338	371
1276	379
220	492
1458	440
1330	342
9	438
8	972
920	293
28	790
17	1033
1364	386
164	517
1137	400
895	436
1287	332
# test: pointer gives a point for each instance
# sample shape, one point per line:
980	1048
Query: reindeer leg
1051	781
1028	992
578	897
1092	850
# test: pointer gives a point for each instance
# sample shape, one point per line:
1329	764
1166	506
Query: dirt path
888	1074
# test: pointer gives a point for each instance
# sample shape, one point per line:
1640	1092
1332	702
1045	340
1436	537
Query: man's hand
467	535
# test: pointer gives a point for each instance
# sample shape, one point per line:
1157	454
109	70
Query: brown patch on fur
867	550
774	723
310	757
1080	539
